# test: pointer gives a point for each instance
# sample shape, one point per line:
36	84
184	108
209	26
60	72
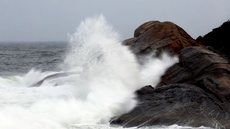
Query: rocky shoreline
193	92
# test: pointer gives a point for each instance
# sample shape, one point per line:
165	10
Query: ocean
20	58
81	84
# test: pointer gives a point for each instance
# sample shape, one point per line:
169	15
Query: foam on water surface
106	74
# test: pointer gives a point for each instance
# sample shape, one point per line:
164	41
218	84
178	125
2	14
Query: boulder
159	36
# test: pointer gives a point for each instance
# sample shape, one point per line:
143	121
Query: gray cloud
52	20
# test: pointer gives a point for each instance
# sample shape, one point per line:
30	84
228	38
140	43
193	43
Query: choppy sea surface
77	85
19	57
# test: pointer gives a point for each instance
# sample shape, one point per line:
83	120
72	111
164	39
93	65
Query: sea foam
106	74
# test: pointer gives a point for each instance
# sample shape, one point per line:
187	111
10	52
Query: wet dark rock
145	90
182	104
193	92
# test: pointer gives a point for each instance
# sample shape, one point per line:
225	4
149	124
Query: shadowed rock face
182	104
194	92
155	35
218	39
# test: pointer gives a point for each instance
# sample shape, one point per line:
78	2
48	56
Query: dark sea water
16	58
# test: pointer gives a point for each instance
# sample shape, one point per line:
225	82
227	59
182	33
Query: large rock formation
194	92
160	36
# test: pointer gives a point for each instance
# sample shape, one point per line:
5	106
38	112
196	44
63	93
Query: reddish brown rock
194	92
155	35
203	68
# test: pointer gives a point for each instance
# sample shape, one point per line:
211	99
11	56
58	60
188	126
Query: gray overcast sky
52	20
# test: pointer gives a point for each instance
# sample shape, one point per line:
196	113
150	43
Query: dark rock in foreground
193	92
181	104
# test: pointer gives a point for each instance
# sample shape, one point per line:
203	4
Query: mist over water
104	76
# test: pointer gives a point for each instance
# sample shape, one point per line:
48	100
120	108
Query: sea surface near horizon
21	57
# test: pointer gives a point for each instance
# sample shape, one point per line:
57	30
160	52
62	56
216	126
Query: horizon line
34	41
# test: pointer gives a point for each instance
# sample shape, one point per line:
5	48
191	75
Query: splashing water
154	68
104	76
